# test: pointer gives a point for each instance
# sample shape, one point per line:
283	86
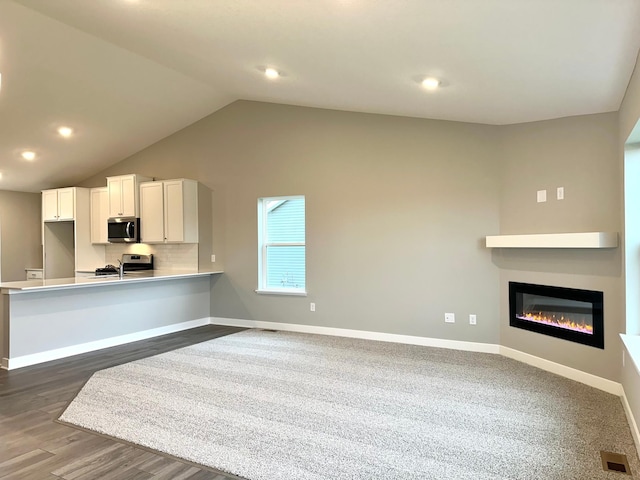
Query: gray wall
581	155
630	119
397	212
20	234
397	209
630	108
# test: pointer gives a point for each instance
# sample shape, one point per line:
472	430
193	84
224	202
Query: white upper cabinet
151	212
67	231
123	195
58	204
67	203
99	214
49	205
181	211
169	211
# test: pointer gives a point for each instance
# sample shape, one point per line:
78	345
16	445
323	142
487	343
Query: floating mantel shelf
555	240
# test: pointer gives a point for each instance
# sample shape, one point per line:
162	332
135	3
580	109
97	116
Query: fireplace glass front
568	313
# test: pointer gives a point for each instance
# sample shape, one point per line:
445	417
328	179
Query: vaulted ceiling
127	73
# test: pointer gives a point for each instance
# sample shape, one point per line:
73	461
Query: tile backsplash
183	256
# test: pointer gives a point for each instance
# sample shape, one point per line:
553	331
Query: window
281	245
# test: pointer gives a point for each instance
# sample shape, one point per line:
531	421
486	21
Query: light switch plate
542	196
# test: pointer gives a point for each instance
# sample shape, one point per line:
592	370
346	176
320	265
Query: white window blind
282	249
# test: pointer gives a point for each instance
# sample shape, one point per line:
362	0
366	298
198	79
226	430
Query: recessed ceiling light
65	131
28	155
271	73
430	83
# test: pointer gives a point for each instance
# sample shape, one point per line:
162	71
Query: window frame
263	209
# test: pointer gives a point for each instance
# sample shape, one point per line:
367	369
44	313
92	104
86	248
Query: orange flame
561	322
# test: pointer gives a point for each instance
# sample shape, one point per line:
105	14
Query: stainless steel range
130	263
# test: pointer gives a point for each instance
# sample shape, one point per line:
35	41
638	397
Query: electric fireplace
568	313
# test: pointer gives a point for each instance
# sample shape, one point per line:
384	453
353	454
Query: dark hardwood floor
33	446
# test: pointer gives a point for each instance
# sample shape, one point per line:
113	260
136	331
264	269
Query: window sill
295	293
632	344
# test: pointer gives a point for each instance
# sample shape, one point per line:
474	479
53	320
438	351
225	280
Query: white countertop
96	281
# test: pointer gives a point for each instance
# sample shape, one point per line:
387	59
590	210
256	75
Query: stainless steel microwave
123	230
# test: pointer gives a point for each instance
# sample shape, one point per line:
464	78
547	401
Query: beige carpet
275	405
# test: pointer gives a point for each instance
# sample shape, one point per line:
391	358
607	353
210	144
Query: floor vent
615	462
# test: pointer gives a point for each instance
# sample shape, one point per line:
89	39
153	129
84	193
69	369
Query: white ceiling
126	73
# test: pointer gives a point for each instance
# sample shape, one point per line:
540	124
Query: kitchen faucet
120	268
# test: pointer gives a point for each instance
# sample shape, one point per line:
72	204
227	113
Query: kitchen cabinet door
173	211
169	211
181	211
99	214
151	212
128	196
66	203
114	186
34	273
124	195
58	204
49	205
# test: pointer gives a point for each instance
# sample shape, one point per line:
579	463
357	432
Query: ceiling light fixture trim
65	131
28	155
271	73
431	83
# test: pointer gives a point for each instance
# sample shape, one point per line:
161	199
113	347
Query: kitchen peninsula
47	319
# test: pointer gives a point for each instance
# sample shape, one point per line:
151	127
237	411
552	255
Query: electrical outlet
472	319
312	307
213	259
450	318
560	193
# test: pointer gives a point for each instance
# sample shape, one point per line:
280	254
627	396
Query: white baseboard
362	334
631	420
559	369
58	353
562	370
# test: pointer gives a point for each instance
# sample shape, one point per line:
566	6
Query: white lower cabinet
33	273
169	211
